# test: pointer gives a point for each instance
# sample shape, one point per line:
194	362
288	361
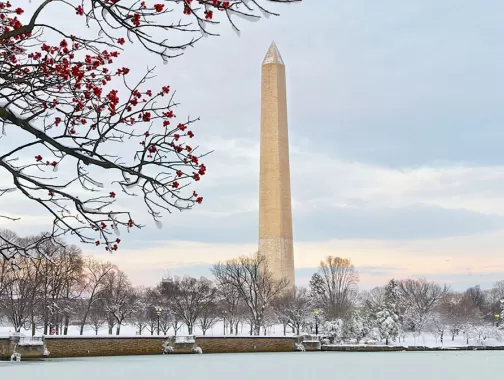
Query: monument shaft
275	214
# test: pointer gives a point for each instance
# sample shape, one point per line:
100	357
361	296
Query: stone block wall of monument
275	213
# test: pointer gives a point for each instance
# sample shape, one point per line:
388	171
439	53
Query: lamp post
159	310
316	314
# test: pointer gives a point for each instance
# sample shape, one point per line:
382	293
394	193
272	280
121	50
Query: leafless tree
419	298
253	281
334	287
457	311
97	316
374	300
176	323
18	297
295	308
95	274
119	298
208	317
152	299
60	269
5	277
231	306
477	297
494	299
166	321
57	97
188	297
140	316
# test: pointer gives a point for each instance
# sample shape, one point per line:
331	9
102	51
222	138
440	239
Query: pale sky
395	121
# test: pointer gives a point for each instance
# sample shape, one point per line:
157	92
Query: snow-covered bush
355	328
483	334
167	348
333	330
299	347
198	350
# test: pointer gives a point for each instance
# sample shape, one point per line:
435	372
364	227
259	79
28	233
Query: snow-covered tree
356	327
393	296
502	311
294	308
383	312
419	299
388	325
437	326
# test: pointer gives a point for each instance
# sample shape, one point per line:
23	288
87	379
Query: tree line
57	287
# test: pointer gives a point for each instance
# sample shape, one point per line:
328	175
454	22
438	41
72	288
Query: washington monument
275	214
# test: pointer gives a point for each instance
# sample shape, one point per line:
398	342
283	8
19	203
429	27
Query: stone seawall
220	345
108	346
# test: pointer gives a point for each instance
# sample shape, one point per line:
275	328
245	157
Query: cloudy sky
395	122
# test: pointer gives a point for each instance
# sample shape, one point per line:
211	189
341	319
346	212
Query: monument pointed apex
273	55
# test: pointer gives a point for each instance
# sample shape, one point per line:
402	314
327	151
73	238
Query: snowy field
129	330
293	366
426	339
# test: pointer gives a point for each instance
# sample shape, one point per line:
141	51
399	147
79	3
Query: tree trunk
257	329
118	329
189	328
110	327
67	322
83	323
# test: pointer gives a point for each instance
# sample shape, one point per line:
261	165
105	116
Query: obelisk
275	214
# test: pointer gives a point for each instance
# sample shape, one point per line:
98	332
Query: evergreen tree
386	319
387	324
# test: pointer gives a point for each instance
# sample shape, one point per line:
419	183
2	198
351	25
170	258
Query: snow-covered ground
447	365
426	339
130	330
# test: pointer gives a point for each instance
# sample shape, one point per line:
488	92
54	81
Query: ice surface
446	365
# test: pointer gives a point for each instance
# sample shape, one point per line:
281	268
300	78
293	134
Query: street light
316	314
159	310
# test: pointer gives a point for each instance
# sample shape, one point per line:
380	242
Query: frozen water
448	365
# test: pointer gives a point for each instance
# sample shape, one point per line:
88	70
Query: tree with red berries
72	111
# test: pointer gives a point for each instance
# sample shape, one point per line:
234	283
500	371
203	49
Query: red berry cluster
76	97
